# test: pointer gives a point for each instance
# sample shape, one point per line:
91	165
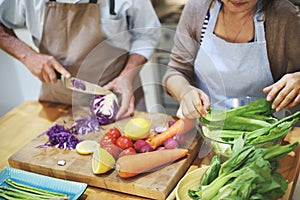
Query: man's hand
123	88
44	67
40	65
123	84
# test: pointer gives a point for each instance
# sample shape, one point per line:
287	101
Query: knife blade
79	85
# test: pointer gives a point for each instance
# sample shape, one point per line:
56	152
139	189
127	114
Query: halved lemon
102	161
87	146
137	128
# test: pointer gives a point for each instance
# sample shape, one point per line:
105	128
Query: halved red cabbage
104	108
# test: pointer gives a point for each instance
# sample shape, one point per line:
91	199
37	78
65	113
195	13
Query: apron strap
214	16
259	30
259	24
112	7
91	1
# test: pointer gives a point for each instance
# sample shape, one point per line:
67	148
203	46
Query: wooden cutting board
155	185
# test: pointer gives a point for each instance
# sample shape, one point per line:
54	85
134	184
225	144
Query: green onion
22	191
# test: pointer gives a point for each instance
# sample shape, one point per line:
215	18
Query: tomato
128	151
124	142
107	139
114	150
114	132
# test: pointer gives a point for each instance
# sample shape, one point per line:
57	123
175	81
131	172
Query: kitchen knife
79	85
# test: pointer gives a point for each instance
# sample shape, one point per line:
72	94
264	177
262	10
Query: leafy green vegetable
212	172
277	129
249	174
255	121
259	107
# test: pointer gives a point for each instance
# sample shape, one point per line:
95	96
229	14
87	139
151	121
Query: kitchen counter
34	117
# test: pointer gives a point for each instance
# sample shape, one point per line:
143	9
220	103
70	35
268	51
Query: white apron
227	70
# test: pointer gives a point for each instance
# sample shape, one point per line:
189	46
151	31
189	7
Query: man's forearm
133	66
13	45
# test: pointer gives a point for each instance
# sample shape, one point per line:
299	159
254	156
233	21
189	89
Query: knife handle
58	75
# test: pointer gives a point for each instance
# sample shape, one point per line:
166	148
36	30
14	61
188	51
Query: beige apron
72	34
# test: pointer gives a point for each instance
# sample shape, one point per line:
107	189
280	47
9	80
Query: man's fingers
59	68
127	107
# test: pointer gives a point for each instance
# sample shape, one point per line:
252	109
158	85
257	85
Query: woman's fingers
285	92
193	105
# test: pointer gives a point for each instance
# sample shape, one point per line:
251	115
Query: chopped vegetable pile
61	137
16	190
251	173
86	125
103	111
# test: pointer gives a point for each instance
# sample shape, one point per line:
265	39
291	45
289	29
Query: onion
159	129
170	123
160	148
146	148
171	143
142	146
179	138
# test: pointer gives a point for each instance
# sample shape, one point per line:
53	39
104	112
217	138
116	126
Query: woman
235	48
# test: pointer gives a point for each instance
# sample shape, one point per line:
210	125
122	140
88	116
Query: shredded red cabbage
61	137
78	84
85	125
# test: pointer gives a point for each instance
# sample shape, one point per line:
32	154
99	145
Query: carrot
181	126
132	165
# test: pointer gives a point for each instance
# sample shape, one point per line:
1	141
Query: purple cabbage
78	84
104	108
85	125
61	137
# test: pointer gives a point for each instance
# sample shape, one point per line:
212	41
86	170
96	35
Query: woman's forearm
177	86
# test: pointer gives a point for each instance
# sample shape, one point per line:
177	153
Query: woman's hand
285	92
123	88
193	104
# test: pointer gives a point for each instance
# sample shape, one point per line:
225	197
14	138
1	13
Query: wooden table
33	117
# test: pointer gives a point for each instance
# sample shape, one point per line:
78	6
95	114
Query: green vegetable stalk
22	191
249	117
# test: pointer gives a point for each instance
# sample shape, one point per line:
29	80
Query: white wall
17	84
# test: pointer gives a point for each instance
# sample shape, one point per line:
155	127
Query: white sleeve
144	27
12	13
